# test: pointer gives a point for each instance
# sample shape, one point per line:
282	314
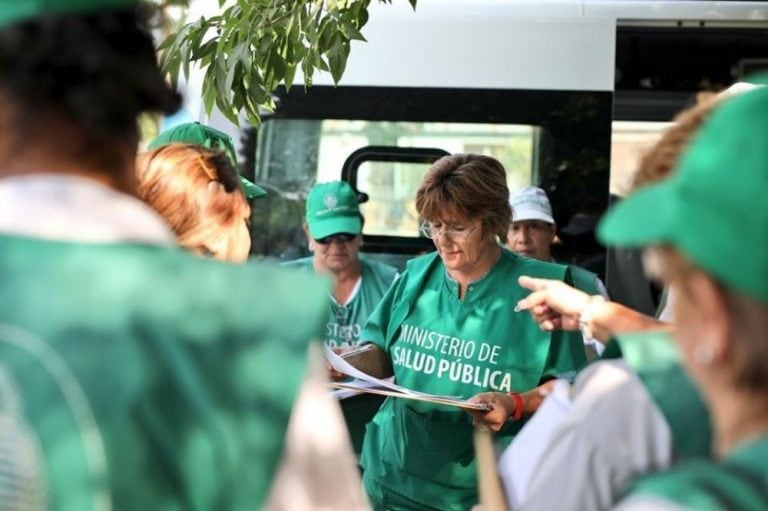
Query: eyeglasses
341	237
460	235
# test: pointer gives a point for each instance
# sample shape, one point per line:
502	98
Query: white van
545	86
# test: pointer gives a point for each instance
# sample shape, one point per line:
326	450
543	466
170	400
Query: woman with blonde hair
196	191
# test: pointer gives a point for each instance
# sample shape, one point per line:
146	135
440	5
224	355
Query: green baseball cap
332	208
13	11
205	136
713	207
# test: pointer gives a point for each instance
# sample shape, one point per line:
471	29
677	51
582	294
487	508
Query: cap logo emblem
330	200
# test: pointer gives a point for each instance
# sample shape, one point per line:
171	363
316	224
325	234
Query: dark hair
472	186
97	71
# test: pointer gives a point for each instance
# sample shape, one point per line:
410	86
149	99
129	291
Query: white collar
73	208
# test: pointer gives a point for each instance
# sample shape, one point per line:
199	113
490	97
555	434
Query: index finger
532	300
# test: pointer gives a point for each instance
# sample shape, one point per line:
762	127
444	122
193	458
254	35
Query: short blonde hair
196	190
471	186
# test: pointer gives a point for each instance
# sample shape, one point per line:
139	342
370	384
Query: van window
556	139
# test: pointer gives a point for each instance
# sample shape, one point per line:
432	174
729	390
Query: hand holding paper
363	382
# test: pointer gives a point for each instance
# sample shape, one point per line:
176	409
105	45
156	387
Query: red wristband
518	413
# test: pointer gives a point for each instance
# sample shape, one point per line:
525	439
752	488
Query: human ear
708	301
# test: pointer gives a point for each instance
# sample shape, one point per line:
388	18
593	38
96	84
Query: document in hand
363	382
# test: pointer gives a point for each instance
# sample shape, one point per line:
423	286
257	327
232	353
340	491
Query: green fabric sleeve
375	328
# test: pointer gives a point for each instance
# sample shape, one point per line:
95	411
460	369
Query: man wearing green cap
133	375
334	225
210	138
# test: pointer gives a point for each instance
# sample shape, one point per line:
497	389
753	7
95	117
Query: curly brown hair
660	160
467	187
194	189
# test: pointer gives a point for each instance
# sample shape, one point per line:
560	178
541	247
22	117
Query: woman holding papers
448	327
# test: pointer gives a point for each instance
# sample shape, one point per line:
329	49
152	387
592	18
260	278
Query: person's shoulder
386	271
421	262
587	281
700	484
581	271
155	282
303	262
534	267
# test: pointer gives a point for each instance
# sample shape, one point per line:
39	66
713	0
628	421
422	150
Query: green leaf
337	60
209	90
252	46
350	32
220	76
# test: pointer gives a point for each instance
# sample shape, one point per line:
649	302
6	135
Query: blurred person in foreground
133	375
334	229
447	326
632	413
709	241
197	192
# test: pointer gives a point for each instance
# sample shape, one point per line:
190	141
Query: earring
704	354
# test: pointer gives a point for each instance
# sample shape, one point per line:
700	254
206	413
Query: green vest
584	280
346	322
143	378
423	453
739	482
654	357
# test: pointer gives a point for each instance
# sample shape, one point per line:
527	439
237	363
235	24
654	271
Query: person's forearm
533	398
374	362
611	318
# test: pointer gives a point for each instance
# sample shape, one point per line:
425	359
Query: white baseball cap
531	203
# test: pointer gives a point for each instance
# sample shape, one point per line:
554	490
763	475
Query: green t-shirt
739	482
141	377
345	322
443	345
584	280
343	328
